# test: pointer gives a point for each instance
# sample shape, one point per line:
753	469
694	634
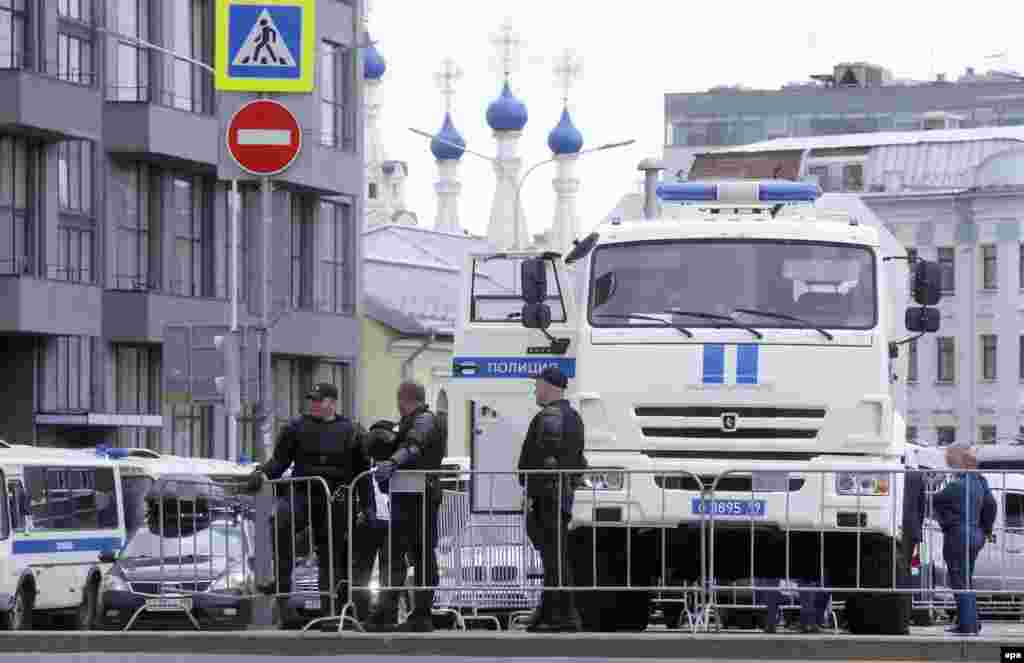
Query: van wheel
19	617
86	616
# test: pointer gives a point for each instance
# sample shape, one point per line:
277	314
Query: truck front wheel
883	612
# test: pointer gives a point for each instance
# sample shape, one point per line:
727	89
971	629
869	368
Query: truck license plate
168	605
747	508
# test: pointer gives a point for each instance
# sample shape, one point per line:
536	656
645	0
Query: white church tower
446	149
507	116
385	198
565	142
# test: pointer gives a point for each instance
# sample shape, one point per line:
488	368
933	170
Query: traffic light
228	385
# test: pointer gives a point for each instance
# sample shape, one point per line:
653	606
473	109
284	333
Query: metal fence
700	551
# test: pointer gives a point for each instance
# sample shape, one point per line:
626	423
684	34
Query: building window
947	263
912	361
75	235
989	268
912	434
853	177
137	384
74	59
988	357
946	435
18	160
134	243
335	246
77	10
13	22
192	430
187	86
193	242
986	434
128	76
65	367
336	125
820	173
75	177
302	238
947	359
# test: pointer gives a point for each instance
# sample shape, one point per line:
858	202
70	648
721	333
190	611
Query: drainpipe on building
408	362
972	340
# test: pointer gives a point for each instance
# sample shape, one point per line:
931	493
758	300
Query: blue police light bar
742	192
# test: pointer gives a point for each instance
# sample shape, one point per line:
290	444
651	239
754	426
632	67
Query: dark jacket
332	450
914	503
554	441
420	444
966	503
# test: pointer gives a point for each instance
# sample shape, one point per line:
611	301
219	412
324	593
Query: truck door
496	359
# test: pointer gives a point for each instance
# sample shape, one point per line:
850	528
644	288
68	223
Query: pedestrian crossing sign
265	45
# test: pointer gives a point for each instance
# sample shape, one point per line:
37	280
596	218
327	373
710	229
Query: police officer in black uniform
554	441
320	444
415	499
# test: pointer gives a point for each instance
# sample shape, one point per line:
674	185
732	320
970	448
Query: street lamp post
519	187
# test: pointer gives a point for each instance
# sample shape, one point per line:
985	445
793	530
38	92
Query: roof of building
374	64
448	150
412	277
507	113
565	138
877	139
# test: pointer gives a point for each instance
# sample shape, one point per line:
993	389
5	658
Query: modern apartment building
855	97
114	182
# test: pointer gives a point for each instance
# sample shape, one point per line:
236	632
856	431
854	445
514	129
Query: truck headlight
610	479
114	583
857	483
229	582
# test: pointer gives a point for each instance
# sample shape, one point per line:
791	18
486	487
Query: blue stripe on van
43	546
746	363
714	363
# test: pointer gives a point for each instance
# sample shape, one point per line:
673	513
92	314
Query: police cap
323	390
554	376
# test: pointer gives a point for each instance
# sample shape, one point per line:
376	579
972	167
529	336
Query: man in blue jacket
966	512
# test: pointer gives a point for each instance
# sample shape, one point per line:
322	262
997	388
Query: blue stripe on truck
714	363
44	546
747	356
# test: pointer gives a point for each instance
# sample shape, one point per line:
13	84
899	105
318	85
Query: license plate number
311	604
168	605
747	508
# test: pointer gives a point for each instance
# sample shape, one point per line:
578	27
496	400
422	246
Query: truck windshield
790	284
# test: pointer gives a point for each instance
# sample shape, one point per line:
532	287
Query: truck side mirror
536	316
533	273
922	319
927	283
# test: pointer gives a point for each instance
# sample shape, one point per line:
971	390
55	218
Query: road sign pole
268	382
236	205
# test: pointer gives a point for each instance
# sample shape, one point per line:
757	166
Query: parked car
189	567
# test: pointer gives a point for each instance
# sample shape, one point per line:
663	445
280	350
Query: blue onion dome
374	65
448	133
506	113
565	138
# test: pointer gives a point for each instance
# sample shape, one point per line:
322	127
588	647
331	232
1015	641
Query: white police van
60	510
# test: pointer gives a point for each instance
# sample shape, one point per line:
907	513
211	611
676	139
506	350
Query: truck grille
741	434
715	412
308	584
169	587
739	484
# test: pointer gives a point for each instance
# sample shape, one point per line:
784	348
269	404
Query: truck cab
733	359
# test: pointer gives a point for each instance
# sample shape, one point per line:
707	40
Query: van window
63	498
17	504
1013	510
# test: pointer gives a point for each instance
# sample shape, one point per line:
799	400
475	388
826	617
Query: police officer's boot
967	614
541	613
421	620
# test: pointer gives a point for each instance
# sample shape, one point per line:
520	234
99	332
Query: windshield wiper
781	316
715	316
639	316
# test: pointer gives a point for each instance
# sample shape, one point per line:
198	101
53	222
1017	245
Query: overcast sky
633	53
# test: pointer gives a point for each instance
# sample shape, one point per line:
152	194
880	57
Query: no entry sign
264	137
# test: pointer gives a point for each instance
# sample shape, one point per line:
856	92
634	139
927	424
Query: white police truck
745	329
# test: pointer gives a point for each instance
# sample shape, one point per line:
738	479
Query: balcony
51	107
140	316
30	305
167	119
